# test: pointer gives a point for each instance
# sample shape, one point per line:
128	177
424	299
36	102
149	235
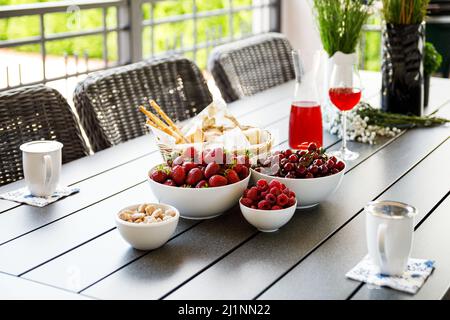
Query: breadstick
164	129
166	118
157	123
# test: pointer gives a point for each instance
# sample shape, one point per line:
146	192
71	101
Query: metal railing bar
206	44
195	35
105	38
66	76
51	7
205	14
230	18
152	30
43	49
58	36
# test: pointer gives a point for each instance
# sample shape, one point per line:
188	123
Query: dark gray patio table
72	250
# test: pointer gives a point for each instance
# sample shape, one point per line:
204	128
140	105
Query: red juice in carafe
305	124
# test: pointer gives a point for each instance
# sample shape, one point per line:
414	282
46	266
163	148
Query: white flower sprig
358	128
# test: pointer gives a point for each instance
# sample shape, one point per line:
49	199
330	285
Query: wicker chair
35	113
248	66
108	101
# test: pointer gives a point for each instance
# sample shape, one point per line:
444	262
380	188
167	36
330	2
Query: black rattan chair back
108	101
35	113
248	66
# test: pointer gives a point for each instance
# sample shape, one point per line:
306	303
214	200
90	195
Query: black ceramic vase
402	68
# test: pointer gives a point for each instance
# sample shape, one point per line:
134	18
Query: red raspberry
282	200
283	187
291	201
253	193
264	194
275	183
286	191
245	193
262	185
264	205
271	198
275	191
247	202
276	208
291	194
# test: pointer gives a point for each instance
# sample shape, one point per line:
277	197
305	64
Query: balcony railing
129	31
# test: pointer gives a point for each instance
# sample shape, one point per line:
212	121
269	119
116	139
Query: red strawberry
217	181
253	193
247	202
170	182
178	161
264	205
202	184
232	176
189	165
178	174
211	169
282	200
194	176
158	176
241	170
243	159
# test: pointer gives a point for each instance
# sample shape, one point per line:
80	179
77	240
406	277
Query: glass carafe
305	124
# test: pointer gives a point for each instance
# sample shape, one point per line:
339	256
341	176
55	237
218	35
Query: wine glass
345	94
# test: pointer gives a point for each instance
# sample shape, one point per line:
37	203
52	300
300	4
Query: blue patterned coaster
23	195
411	281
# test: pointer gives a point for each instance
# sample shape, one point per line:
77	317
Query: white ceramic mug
389	230
42	166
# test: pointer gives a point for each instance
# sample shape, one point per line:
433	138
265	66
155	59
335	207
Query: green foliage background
164	34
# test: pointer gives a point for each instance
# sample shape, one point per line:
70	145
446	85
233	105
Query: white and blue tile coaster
23	195
411	281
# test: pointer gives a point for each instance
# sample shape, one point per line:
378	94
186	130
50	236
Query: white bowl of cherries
311	173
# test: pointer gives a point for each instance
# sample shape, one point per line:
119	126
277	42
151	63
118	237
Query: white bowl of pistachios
147	226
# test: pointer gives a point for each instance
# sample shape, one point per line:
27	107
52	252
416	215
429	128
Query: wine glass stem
344	130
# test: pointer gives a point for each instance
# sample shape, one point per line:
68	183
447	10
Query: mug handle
48	171
381	241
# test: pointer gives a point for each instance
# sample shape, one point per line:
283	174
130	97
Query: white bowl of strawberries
201	185
311	174
268	206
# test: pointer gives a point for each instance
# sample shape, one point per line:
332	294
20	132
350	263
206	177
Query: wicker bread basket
171	151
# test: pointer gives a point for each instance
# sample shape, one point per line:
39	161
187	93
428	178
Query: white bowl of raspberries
201	185
268	206
311	174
